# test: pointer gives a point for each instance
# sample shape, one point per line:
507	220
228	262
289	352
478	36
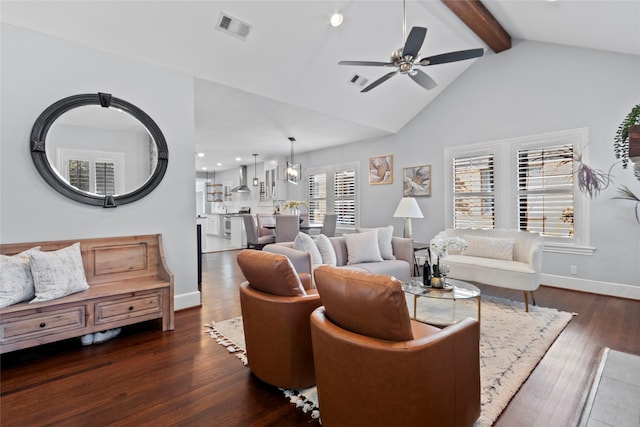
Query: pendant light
255	173
293	170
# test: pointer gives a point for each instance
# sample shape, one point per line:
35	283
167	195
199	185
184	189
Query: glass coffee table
455	290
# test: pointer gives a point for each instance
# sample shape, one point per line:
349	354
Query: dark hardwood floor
147	377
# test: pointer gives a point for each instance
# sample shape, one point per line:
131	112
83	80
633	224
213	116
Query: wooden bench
129	282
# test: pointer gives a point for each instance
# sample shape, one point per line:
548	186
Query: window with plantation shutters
345	197
333	189
473	192
105	180
97	172
79	174
526	183
545	190
317	197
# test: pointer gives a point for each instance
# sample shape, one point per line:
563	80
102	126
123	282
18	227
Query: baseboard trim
182	301
602	288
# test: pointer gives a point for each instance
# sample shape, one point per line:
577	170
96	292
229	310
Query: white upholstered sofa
505	258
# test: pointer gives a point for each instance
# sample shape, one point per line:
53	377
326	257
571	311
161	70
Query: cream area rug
512	342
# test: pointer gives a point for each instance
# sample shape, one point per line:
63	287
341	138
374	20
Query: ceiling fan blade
367	63
423	79
379	81
414	41
459	55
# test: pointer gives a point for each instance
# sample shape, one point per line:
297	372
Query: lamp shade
408	208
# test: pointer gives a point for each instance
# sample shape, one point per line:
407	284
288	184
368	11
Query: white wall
530	89
38	70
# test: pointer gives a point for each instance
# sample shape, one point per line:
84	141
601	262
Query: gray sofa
401	267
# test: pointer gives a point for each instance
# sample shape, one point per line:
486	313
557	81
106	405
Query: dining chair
266	220
253	239
329	225
304	219
287	228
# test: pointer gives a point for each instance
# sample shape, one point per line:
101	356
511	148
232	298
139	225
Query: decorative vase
437	283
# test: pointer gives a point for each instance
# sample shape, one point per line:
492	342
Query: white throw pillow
327	252
362	247
304	242
384	240
16	281
57	273
490	247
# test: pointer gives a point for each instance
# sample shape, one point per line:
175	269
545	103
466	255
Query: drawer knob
42	325
130	308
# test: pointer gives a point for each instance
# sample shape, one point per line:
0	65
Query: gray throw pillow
327	252
362	247
305	243
384	240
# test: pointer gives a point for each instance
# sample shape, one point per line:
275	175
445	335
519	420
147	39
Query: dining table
303	227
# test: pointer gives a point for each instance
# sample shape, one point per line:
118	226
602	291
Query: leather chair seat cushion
363	303
270	273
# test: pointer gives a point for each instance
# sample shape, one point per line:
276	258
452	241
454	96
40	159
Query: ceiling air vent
358	80
233	26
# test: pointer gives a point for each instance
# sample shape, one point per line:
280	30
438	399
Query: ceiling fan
405	58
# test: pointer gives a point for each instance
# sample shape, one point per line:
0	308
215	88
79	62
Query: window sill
560	248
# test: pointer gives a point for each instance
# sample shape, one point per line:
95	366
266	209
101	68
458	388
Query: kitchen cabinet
238	235
213	225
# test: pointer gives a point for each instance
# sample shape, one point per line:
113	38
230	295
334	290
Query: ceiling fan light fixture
336	19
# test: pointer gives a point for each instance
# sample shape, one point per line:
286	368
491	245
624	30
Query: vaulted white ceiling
284	80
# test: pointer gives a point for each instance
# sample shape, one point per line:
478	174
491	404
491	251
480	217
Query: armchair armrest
403	249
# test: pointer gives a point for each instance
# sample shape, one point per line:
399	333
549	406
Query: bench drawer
36	325
148	305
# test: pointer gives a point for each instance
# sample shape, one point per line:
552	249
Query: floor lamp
408	208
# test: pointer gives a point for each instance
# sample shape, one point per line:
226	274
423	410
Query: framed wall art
416	181
381	169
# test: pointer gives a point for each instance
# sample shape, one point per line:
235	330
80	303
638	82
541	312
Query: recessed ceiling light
218	164
204	168
336	19
200	154
238	159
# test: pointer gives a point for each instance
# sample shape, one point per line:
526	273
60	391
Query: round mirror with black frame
97	158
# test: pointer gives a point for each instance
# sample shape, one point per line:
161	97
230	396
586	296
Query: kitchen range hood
242	188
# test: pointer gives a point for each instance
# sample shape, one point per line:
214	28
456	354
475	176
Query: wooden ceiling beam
478	18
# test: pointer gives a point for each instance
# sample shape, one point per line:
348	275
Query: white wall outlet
573	269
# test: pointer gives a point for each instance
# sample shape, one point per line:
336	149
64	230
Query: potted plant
621	140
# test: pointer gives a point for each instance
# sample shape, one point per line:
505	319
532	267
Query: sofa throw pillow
57	273
16	281
304	242
384	240
362	247
327	252
490	247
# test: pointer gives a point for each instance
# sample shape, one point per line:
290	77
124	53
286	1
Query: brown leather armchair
377	367
275	314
